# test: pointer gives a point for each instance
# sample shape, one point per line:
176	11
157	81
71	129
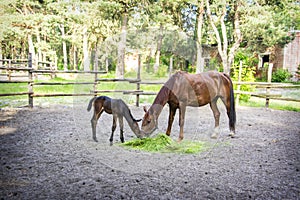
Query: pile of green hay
165	144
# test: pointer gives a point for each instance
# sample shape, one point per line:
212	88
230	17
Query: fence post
239	85
137	103
270	68
95	84
30	86
9	71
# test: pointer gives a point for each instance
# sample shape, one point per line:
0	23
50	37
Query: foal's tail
91	103
232	114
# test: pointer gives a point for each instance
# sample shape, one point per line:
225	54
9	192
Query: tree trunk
237	35
86	60
200	60
64	45
38	39
96	65
120	69
31	49
1	57
226	56
157	54
75	58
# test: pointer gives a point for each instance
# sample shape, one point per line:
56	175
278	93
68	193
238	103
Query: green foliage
248	72
162	71
268	24
281	75
262	24
191	69
163	143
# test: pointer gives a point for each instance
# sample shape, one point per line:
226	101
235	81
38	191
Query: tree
199	34
267	23
219	17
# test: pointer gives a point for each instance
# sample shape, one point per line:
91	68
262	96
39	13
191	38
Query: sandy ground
48	153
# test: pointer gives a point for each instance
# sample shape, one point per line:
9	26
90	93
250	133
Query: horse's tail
232	114
91	103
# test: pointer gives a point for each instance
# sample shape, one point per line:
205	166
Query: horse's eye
148	121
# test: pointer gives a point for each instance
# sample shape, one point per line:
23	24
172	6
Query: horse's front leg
216	112
182	109
121	128
172	112
113	128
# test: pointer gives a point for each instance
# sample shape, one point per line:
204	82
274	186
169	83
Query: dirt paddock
48	153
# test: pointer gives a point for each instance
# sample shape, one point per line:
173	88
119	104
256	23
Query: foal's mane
129	111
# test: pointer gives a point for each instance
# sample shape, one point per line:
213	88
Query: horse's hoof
95	139
214	136
232	135
111	143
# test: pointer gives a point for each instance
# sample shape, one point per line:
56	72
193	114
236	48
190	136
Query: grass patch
164	144
274	104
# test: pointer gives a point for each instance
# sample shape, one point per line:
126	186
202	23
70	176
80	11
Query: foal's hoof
232	135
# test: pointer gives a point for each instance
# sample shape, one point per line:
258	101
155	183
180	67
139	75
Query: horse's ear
145	108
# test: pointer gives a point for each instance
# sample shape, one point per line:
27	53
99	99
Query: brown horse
118	109
184	89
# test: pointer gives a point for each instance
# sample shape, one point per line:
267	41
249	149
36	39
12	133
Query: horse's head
149	124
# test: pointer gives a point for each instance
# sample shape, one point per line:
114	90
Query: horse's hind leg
113	128
226	102
182	109
216	112
121	129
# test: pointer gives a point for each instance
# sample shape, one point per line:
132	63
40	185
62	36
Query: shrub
248	72
162	71
280	75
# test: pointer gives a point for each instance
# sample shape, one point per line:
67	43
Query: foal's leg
113	128
172	113
121	128
94	120
182	109
216	112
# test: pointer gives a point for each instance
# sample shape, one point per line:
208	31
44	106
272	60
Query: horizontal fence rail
29	73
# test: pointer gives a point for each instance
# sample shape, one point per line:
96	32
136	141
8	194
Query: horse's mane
163	95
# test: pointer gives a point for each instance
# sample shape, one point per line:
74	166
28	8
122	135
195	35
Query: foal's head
149	124
136	128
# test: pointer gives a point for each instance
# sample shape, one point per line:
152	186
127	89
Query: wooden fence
29	73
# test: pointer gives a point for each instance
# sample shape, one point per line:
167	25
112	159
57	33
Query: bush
280	75
248	72
162	71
